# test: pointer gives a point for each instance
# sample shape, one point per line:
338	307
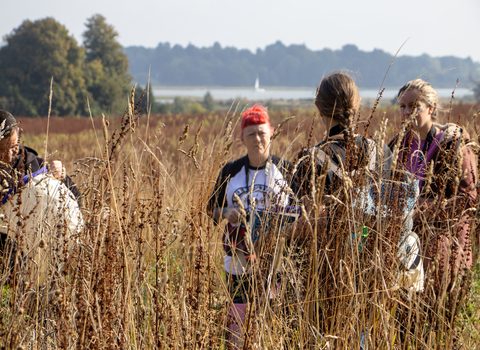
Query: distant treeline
293	66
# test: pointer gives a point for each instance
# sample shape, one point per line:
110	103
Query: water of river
275	93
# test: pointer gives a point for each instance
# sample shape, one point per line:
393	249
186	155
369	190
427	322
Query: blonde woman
443	219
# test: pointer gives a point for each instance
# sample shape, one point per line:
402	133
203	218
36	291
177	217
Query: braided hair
337	97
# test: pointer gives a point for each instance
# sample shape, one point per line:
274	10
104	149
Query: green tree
179	105
106	66
208	102
36	52
195	107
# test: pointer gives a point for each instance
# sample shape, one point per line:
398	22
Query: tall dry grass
146	270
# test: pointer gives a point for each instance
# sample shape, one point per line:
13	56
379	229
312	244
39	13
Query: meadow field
146	271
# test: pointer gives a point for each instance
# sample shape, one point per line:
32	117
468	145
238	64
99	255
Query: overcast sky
434	27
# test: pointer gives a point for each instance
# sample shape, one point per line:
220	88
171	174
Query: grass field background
148	271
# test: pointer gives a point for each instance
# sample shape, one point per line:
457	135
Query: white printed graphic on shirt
268	190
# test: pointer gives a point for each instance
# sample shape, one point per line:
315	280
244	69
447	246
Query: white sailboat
257	86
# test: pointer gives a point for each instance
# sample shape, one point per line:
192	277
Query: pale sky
434	27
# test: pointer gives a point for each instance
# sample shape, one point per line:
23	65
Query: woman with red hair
258	180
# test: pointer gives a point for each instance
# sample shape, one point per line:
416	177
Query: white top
268	190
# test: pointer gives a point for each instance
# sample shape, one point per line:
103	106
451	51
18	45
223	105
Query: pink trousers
236	327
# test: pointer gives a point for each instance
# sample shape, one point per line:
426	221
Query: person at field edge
258	179
19	164
444	215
